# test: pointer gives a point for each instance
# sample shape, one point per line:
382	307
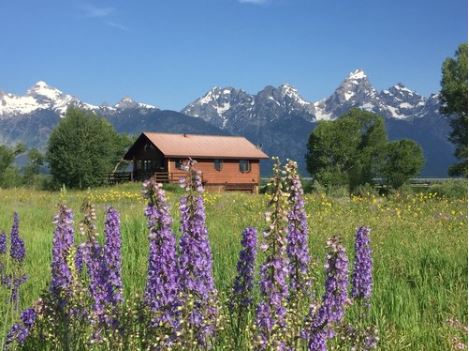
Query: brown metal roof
205	146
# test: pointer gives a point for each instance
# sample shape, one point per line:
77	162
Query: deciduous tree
347	151
454	104
403	159
83	149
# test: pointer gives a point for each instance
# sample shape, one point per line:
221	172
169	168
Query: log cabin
226	163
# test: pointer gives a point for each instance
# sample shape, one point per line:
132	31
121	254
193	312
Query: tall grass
419	246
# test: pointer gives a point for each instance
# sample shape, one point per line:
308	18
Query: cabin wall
229	174
147	160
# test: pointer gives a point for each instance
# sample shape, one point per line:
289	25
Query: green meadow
419	244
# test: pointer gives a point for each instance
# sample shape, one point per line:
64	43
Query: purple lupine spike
161	291
17	250
20	331
362	280
3	243
28	317
320	322
195	262
3	251
297	249
271	311
17	281
335	296
79	258
17	253
98	286
93	257
244	281
61	245
317	333
16	333
112	256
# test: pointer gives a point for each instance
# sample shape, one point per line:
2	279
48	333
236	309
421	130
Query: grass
419	246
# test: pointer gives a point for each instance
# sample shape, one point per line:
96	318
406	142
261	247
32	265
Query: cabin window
244	166
179	164
218	165
148	165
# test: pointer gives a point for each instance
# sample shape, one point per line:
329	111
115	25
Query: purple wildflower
17	253
3	243
79	259
98	286
17	250
161	288
195	263
335	296
20	331
243	284
112	256
362	280
318	332
15	287
3	250
28	317
93	256
61	246
16	333
297	238
332	309
271	311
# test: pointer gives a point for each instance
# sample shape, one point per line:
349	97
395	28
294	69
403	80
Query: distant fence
415	182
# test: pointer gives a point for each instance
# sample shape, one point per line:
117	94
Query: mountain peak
287	89
401	87
128	103
40	84
42	89
357	74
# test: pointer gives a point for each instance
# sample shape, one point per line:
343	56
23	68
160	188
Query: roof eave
220	157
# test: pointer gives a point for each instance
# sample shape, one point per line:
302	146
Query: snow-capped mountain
220	105
228	108
270	104
278	118
281	120
41	96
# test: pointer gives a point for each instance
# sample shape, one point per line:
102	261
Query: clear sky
169	52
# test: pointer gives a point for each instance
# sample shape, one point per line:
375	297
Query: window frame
179	164
248	168
218	164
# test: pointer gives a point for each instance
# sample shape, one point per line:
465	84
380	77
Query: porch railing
161	177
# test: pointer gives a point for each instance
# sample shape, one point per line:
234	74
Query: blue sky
169	52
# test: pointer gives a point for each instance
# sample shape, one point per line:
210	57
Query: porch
141	175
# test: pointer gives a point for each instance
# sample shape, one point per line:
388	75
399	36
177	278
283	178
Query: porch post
168	169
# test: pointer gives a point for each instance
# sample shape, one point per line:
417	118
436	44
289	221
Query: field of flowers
419	245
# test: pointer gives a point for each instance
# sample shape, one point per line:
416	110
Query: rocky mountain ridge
277	118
